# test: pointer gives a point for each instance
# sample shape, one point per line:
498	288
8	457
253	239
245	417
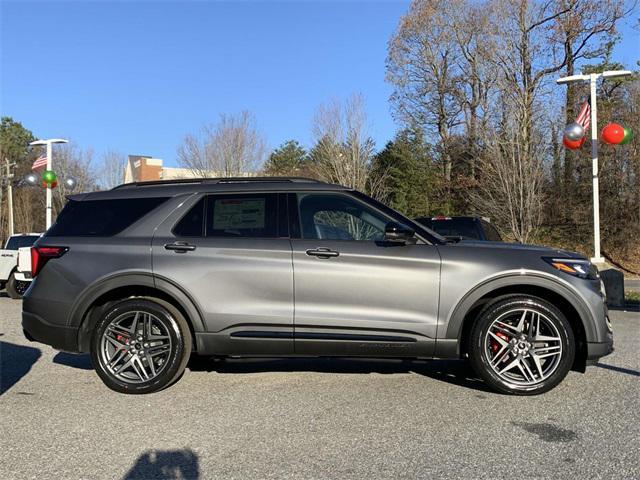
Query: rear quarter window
101	218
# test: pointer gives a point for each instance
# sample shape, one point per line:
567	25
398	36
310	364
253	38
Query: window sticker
239	213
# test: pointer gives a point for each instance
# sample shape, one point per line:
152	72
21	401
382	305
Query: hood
554	252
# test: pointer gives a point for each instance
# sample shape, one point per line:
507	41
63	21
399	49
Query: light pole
592	78
49	143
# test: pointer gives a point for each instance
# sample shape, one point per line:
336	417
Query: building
141	168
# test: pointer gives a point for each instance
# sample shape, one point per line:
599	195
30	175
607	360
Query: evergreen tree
288	159
404	169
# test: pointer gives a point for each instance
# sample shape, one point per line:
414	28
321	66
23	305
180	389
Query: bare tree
510	192
72	161
112	169
232	147
344	148
422	64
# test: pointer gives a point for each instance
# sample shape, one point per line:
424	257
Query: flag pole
597	257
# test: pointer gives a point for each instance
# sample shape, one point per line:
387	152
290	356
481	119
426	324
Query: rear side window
101	218
242	215
14	243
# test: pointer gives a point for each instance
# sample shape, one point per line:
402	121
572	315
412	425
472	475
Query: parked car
462	228
9	276
23	270
146	274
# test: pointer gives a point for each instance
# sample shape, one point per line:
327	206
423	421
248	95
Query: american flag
39	163
584	117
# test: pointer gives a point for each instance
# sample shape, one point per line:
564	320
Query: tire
527	362
16	288
129	365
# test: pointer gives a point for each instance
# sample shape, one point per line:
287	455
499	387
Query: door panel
366	297
242	286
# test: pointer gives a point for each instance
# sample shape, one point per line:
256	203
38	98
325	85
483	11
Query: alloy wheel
523	346
21	287
135	346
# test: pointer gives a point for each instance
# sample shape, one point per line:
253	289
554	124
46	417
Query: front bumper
597	350
60	337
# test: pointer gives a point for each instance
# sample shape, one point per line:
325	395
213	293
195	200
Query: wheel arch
87	309
565	300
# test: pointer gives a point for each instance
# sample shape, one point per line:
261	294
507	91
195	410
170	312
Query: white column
597	258
49	162
9	196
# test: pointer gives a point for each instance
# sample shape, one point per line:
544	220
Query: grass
630	296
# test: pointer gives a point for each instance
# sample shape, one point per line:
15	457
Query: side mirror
397	232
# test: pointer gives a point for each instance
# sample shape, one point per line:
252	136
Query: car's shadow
456	372
81	361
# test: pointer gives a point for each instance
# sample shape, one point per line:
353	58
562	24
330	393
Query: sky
136	77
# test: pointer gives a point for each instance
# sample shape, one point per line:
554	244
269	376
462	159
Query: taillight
41	255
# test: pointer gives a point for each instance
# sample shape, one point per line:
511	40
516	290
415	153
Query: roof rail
205	180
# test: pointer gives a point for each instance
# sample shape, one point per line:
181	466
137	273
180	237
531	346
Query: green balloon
49	176
628	136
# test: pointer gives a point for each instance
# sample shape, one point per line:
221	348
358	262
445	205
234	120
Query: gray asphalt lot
326	418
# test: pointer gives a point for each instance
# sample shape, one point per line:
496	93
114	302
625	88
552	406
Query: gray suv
147	274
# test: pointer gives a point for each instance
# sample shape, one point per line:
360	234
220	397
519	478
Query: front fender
453	321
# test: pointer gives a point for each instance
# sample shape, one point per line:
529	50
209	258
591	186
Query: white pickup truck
15	282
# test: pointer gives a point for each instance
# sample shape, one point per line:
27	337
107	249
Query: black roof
171	188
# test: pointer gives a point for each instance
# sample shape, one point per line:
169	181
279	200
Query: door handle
322	253
180	247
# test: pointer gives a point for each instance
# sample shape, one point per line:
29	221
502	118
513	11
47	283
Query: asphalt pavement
632	284
316	419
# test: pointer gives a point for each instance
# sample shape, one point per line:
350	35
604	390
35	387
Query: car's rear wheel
522	345
140	345
16	288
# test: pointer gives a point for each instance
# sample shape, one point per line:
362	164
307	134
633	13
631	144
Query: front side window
326	216
242	215
191	225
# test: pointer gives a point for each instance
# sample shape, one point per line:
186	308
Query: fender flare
456	320
79	319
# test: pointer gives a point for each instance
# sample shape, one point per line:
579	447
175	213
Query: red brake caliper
123	339
495	346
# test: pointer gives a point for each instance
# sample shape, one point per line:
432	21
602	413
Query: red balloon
612	134
573	144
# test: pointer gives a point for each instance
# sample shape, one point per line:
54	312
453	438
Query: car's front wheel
522	345
140	345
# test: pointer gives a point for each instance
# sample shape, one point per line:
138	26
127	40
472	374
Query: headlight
577	267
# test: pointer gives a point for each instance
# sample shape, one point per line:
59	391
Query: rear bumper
60	337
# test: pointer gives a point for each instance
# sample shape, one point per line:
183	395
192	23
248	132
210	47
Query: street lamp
49	143
592	78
